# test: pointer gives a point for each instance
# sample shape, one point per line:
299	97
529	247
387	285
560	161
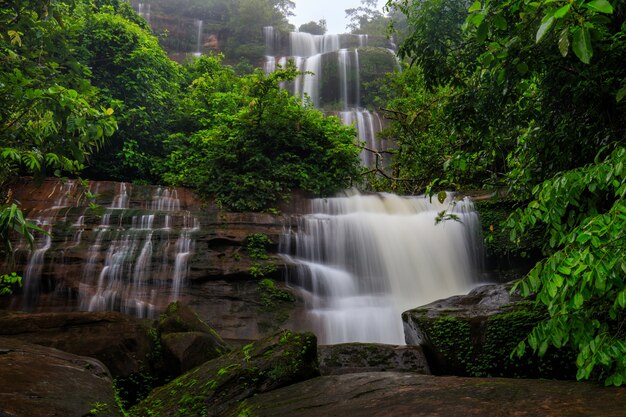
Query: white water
310	53
141	270
363	260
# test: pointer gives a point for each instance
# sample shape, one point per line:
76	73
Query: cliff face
118	246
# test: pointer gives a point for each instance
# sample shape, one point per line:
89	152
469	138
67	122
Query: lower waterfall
360	261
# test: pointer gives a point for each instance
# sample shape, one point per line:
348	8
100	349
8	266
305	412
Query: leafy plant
581	282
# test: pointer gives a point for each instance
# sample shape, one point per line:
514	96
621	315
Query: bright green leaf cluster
583	280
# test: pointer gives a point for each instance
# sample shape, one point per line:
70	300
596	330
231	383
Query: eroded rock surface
370	357
384	394
119	341
45	382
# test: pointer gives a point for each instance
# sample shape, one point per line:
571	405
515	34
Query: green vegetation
527	97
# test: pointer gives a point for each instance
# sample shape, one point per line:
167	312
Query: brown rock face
117	340
128	252
45	382
385	394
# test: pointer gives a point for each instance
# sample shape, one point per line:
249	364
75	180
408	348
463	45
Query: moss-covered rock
185	341
211	388
475	335
371	357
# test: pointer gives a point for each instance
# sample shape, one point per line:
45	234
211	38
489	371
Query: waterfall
143	10
138	259
198	39
312	54
360	261
33	274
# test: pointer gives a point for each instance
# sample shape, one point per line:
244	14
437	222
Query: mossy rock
211	388
371	357
474	335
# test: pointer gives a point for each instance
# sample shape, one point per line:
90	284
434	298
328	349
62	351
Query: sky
331	10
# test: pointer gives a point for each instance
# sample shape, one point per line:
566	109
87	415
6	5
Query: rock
382	394
474	335
370	357
236	310
45	382
186	340
119	341
209	389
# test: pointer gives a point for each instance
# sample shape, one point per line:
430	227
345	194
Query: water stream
360	261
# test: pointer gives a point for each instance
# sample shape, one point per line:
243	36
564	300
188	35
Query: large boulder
186	341
119	341
209	389
474	335
370	357
378	394
46	382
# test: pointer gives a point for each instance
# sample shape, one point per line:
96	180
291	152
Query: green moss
466	346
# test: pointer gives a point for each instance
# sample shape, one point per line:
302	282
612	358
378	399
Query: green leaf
621	94
562	12
600	6
546	24
582	45
474	7
500	22
481	32
564	42
522	68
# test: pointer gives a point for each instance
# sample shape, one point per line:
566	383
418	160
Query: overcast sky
331	10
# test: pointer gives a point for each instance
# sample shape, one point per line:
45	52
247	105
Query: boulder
381	394
474	335
370	357
119	341
211	388
46	382
186	341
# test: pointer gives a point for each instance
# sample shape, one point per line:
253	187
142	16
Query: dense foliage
252	143
528	97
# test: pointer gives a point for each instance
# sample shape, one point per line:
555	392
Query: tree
314	28
50	118
526	113
132	71
362	15
254	143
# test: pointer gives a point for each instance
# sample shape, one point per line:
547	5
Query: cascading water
311	54
137	256
131	254
198	52
360	261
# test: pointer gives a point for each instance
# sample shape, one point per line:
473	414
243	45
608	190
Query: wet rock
236	309
474	335
119	341
209	389
186	340
46	382
382	394
370	357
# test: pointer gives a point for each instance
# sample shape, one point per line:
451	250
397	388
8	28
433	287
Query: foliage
526	93
8	281
133	72
581	282
50	121
314	28
251	143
